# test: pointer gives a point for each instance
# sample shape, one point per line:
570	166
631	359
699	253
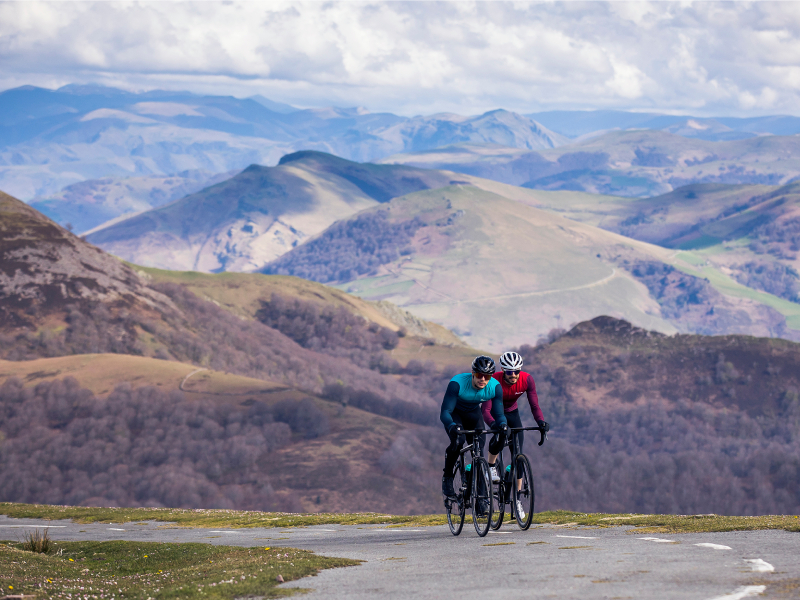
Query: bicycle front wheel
498	498
523	494
455	508
481	496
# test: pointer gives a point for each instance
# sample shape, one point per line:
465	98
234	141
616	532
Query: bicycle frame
512	443
475	450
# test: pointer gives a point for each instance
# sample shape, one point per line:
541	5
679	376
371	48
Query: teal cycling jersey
463	397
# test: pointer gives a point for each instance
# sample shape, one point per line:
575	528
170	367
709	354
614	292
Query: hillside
44	269
500	273
641	423
237	421
624	163
244	222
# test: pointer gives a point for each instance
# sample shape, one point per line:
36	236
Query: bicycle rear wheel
481	496
455	508
525	495
498	497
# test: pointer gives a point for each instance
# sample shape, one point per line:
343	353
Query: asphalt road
544	562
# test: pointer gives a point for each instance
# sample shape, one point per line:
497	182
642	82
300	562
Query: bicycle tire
456	519
526	495
498	497
481	496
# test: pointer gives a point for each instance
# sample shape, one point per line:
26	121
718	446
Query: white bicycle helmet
511	361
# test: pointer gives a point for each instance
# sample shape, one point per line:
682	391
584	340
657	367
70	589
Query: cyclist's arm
486	409
449	404
498	411
533	400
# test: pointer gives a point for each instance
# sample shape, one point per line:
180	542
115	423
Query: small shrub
36	541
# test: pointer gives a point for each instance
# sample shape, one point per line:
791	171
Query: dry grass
37	542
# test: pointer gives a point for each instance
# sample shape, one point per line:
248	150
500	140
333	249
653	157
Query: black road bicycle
516	482
473	487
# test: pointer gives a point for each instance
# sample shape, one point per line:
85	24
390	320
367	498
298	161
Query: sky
700	58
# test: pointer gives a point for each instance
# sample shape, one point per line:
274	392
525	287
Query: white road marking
715	547
659	540
759	566
113	529
44	526
396	530
742	592
577	537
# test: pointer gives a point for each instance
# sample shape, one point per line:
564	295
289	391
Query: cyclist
514	382
461	409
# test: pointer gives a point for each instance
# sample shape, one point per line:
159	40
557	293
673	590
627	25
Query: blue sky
706	58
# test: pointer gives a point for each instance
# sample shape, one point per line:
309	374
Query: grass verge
241	519
208	517
152	570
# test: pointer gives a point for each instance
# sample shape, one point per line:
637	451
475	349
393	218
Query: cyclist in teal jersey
461	409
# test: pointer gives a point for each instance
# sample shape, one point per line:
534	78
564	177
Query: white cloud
420	57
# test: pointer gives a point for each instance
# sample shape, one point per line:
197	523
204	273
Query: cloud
421	57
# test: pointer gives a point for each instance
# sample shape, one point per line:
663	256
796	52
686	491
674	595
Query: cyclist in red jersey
514	383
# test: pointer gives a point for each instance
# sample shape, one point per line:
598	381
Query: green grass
152	570
670	523
242	519
207	517
691	258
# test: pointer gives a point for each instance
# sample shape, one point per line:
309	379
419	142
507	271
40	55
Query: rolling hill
244	222
500	273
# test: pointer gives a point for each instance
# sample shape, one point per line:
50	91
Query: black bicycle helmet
483	364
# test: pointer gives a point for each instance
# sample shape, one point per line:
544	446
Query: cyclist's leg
514	420
473	419
456	442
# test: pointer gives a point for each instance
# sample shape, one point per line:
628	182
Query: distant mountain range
574	123
53	138
50	139
639	163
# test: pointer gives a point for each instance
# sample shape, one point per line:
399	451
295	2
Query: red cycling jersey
511	393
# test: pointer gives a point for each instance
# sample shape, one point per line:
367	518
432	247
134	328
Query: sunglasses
486	376
512	373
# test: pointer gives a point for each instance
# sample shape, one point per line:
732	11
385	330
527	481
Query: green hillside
501	273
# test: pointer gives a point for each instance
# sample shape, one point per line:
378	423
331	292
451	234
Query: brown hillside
44	268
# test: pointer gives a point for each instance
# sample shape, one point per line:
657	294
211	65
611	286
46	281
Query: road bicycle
473	487
516	482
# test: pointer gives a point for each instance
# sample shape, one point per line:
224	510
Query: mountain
244	222
50	139
501	273
574	123
88	204
623	163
